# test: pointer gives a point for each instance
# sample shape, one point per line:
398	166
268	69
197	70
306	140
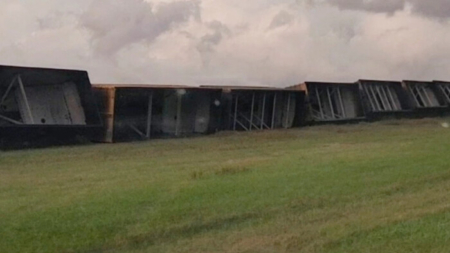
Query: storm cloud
386	6
435	8
119	23
230	42
432	9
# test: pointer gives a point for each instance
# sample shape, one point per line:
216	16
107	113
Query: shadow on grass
176	233
415	185
222	171
401	235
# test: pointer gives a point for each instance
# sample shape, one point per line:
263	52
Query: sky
230	42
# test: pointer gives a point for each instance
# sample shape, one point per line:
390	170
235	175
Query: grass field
381	187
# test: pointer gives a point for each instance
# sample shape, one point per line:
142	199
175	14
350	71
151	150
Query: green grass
381	187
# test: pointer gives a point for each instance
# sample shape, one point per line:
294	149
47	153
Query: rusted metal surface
231	88
144	86
106	101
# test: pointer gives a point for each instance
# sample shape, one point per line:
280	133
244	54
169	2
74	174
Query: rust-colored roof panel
416	82
145	86
330	83
231	88
170	86
379	81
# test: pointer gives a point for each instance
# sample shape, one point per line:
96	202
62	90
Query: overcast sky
230	42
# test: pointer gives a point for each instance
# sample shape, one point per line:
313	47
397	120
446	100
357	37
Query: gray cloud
432	9
281	19
117	24
384	6
209	41
235	42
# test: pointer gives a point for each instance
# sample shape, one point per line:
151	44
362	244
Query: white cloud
232	42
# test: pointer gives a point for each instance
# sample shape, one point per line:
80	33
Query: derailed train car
139	112
384	99
332	102
41	106
443	90
374	100
260	108
428	99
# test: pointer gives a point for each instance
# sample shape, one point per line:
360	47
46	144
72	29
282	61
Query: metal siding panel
289	108
73	102
396	101
432	97
169	112
349	103
47	104
202	117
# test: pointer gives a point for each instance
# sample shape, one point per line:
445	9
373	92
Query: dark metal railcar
40	106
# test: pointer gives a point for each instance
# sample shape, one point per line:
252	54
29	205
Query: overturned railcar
139	112
259	108
443	92
41	106
332	102
384	99
427	98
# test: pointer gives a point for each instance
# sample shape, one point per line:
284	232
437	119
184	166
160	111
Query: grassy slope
380	187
